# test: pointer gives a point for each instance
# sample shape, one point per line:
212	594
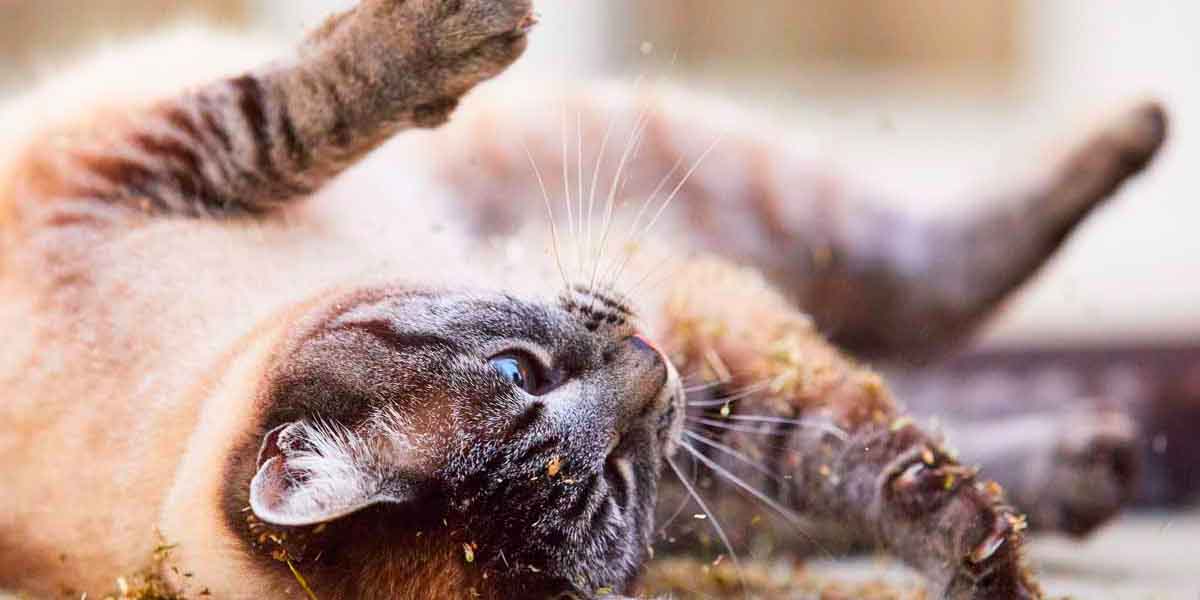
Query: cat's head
516	443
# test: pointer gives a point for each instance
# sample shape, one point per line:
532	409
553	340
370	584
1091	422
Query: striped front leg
247	144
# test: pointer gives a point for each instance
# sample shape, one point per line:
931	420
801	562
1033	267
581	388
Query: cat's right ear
311	473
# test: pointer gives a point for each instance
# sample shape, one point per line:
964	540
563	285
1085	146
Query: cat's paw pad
459	27
1097	471
488	34
488	18
461	42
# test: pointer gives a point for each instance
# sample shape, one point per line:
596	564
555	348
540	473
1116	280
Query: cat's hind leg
884	282
1069	473
252	142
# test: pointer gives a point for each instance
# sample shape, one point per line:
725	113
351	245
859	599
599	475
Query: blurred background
932	101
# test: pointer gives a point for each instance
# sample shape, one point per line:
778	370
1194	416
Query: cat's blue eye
517	370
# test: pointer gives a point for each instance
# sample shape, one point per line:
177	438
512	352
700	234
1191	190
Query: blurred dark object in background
1158	386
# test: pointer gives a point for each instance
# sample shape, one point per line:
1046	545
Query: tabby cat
379	387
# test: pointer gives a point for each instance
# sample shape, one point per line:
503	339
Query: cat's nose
639	343
647	367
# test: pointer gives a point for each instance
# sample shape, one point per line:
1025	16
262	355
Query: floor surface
1139	557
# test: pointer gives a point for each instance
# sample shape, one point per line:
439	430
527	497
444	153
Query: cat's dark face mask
538	429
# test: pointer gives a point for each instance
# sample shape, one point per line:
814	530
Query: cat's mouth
663	415
670	421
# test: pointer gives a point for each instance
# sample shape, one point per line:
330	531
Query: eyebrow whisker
549	214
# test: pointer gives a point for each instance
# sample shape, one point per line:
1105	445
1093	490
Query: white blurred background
931	100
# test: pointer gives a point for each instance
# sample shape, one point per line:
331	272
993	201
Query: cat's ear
313	473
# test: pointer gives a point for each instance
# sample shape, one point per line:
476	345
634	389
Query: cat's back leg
882	281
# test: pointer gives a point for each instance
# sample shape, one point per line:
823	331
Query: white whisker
792	518
682	505
579	249
731	399
712	403
566	175
656	270
706	403
631	144
549	213
784	447
667	203
701	387
675	192
734	427
737	564
612	122
822	425
730	427
630	238
734	453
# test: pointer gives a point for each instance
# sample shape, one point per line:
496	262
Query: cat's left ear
313	473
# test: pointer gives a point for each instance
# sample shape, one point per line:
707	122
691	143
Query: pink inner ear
269	486
270	445
273	489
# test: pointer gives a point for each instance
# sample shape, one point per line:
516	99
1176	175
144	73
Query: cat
281	383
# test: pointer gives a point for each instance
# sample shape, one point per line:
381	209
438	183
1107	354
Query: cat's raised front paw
438	48
460	27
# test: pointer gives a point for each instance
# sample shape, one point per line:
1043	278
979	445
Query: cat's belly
87	451
105	388
104	378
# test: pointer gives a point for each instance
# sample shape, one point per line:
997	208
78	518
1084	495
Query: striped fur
249	143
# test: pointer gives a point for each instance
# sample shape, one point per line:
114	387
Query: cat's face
532	432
